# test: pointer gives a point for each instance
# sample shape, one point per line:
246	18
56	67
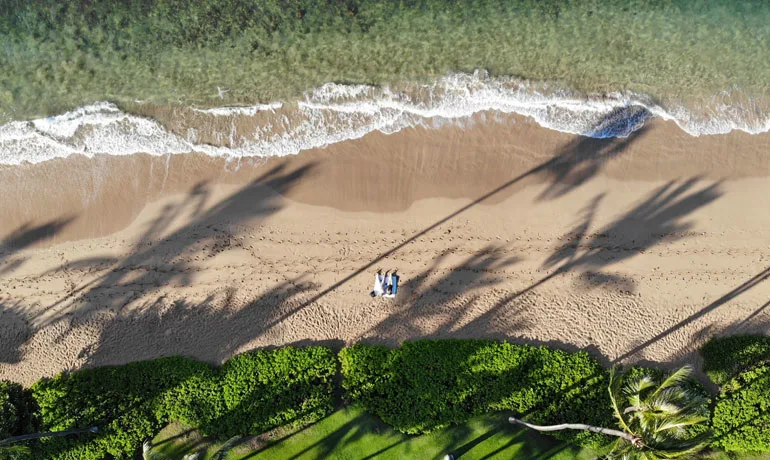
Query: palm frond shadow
581	159
658	218
429	299
164	255
15	330
26	236
156	329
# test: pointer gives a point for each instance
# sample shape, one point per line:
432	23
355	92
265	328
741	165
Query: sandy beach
636	249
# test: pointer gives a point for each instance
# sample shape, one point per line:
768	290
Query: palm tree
657	420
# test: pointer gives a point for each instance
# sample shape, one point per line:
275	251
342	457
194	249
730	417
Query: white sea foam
247	111
335	112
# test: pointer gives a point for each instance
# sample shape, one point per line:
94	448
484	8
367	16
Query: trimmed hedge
428	384
724	358
122	401
741	415
417	388
251	393
265	389
16	410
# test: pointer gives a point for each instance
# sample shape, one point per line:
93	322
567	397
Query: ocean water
335	113
595	68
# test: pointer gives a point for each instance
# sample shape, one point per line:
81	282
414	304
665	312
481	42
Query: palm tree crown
658	419
665	419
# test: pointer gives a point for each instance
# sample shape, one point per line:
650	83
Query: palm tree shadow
753	322
26	236
164	255
204	330
657	219
15	331
557	170
428	310
582	159
161	259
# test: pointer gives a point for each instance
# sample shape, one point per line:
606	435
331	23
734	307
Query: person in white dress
379	285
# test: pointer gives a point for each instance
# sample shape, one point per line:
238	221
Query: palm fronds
667	417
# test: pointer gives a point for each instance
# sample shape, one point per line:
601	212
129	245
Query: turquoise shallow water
364	65
60	55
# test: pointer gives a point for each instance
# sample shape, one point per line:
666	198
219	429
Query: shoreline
622	246
379	172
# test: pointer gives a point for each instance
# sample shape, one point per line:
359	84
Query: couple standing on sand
385	286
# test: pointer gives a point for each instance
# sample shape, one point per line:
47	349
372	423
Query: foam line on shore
334	113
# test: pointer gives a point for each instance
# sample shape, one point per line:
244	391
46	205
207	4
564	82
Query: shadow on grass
175	437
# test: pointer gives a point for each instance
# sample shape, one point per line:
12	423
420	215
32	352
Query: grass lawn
352	434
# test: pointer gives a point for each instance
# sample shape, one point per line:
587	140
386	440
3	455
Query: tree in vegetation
657	419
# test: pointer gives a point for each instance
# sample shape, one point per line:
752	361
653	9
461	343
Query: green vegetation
741	415
446	388
15	453
352	434
16	410
666	415
120	400
426	385
725	357
659	415
57	55
252	392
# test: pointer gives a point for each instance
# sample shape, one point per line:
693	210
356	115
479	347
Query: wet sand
636	249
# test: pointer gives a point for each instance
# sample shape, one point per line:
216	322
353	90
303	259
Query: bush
426	385
266	389
724	358
741	416
15	452
16	410
251	393
120	400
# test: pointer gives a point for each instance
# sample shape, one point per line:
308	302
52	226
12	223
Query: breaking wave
336	112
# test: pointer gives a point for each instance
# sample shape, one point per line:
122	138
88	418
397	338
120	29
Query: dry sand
636	249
